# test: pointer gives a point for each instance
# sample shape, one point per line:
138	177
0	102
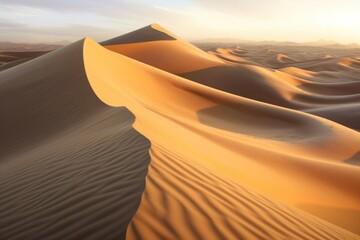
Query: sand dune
235	130
203	205
318	86
229	55
27	47
237	147
284	59
71	167
161	49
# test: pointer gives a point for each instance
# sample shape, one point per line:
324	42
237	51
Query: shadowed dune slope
146	34
227	138
270	86
319	87
70	166
167	53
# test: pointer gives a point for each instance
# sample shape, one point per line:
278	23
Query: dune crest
168	53
153	32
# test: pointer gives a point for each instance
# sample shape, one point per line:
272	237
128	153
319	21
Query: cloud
109	8
61	5
38	20
45	34
99	20
244	8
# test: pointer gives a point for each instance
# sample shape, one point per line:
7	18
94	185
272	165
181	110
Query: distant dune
12	54
11	59
229	143
26	47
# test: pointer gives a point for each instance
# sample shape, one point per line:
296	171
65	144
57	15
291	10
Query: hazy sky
282	20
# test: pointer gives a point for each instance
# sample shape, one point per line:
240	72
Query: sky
279	20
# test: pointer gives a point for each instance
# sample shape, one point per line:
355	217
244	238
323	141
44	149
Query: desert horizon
21	45
146	135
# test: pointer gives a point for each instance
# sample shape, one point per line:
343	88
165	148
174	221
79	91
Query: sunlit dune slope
158	47
70	166
242	141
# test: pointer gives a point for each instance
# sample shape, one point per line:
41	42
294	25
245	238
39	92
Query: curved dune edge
227	70
179	118
71	167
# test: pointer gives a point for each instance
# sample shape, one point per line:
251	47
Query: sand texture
71	167
226	143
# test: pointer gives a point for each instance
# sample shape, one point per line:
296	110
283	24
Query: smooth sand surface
238	150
